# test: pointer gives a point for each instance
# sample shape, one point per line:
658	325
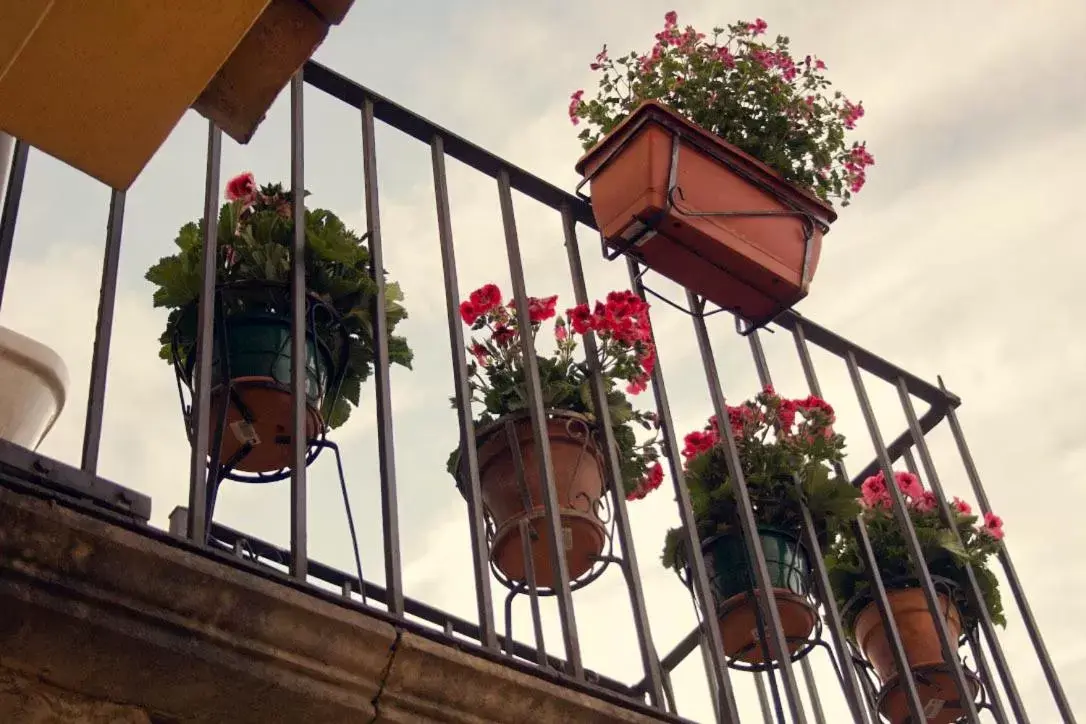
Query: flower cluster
752	92
650	482
620	323
243	191
796	423
626	353
781	442
946	548
876	497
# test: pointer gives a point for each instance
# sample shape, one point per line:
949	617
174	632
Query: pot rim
653	111
773	530
319	344
484	431
898	584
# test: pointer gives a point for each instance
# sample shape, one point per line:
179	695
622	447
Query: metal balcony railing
780	688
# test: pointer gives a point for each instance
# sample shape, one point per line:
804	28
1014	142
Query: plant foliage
945	554
255	234
626	354
780	443
754	94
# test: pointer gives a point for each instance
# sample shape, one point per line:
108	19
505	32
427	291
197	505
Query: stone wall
120	624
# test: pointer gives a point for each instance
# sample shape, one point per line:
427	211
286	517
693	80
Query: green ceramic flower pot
258	345
730	571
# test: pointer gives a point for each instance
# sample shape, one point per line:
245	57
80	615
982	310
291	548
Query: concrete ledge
429	681
115	615
133	621
26	701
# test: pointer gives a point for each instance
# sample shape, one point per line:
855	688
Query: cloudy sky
976	115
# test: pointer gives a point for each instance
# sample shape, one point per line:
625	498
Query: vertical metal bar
1013	581
766	599
6	145
539	433
916	553
205	341
763	698
867	555
299	439
869	691
822	580
13	195
816	702
714	685
470	464
998	712
853	695
727	711
974	592
669	692
390	511
649	660
533	591
103	333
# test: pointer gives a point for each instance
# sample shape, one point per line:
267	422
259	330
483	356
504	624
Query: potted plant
780	442
715	160
508	464
946	556
252	354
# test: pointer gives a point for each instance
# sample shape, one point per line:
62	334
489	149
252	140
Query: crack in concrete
376	701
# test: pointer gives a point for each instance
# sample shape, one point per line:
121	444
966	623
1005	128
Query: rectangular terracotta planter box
755	266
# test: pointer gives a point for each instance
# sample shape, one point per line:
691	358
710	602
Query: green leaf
341	410
189	238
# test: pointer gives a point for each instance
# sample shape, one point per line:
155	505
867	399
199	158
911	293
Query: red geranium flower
486	298
468	312
540	310
580	318
241	188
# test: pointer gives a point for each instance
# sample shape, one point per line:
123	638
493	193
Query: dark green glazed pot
730	572
258	345
733	584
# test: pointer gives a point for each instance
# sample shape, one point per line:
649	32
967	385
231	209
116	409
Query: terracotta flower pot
757	266
938	693
578	479
258	356
731	579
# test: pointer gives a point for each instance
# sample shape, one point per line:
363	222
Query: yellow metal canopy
100	84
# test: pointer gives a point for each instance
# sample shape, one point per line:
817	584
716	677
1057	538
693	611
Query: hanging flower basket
251	344
250	368
509	476
784	448
714	161
736	593
696	209
512	491
945	558
919	637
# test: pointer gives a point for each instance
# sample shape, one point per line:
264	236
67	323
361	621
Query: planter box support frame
648	228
